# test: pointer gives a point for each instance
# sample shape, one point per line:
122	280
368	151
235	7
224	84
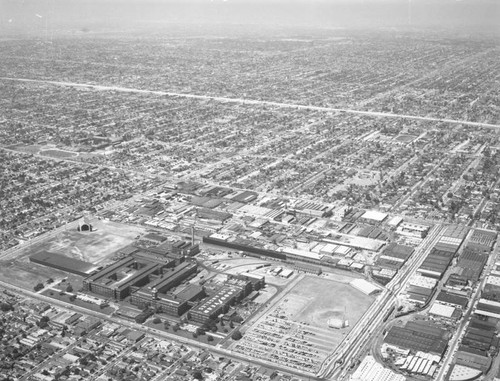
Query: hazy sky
31	14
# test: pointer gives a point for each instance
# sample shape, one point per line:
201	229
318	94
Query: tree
43	322
210	338
6	307
156	320
237	319
236	335
69	288
197	375
38	287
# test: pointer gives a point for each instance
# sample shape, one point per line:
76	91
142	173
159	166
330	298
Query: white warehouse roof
365	286
442	310
374	215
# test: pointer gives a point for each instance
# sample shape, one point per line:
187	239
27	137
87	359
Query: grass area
404	138
74	280
57	153
27	149
26	275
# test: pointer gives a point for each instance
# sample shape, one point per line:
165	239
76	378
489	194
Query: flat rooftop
63	262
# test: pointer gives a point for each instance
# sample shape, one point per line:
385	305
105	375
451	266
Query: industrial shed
62	262
452	300
418	336
365	287
443	310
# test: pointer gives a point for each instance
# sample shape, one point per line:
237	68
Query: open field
58	153
295	332
94	247
322	305
26	275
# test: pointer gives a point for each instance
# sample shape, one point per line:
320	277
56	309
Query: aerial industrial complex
236	203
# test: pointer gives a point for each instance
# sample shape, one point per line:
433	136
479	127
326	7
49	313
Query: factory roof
442	310
448	298
374	215
63	262
365	286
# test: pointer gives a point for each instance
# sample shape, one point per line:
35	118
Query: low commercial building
461	373
413	230
444	311
473	358
418	336
307	268
436	263
488	308
373	216
452	300
309	208
365	287
371	370
471	264
482	240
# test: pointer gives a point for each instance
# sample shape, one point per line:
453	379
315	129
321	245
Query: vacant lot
96	247
24	274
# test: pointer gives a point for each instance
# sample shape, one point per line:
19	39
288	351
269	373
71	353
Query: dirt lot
315	300
93	247
96	247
